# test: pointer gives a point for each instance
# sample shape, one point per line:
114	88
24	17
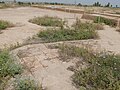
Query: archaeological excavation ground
48	48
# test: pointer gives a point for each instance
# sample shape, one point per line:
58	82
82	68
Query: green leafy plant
78	32
27	84
102	70
99	19
8	68
79	25
110	22
54	35
5	24
48	21
66	52
103	73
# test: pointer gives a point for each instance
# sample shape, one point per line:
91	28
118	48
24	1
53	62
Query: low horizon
84	2
88	2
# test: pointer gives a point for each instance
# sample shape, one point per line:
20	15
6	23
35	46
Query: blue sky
113	2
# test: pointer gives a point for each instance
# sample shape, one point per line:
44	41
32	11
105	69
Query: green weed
27	84
48	21
5	24
110	22
78	32
102	72
99	19
55	35
8	68
79	25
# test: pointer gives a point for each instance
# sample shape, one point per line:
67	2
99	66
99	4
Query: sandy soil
23	29
45	66
53	74
110	39
44	63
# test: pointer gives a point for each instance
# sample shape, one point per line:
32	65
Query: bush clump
99	19
8	68
5	24
54	35
68	52
79	25
48	21
78	32
110	22
27	84
102	72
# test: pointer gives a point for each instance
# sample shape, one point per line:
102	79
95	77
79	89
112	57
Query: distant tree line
98	4
54	3
47	3
2	2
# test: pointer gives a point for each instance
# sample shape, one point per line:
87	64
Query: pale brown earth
54	75
43	63
45	66
23	29
110	39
